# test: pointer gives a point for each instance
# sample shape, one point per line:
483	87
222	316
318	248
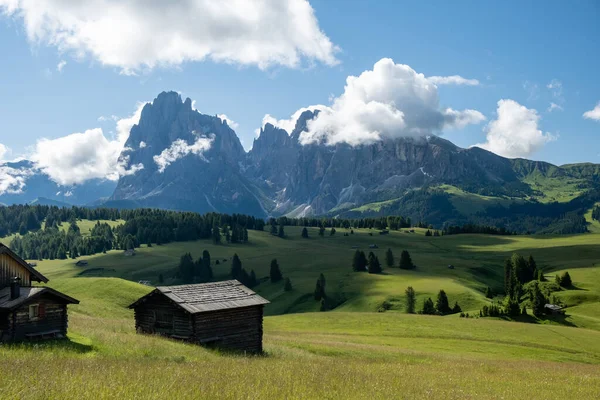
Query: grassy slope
339	354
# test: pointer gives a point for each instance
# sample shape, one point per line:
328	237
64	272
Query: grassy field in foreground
314	355
351	352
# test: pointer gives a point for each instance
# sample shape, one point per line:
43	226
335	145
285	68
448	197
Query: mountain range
196	162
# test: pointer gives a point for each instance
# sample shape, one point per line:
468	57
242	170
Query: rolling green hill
350	352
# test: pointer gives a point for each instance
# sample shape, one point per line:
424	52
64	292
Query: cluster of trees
391	222
362	263
404	263
321	295
141	226
199	271
473	228
524	285
55	243
434	233
239	273
441	306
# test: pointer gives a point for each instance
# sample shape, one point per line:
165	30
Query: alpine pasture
352	351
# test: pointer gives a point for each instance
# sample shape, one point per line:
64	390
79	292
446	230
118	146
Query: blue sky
514	49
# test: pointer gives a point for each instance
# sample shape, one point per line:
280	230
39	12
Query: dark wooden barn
224	314
26	311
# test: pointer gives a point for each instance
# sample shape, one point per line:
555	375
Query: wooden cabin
26	311
223	314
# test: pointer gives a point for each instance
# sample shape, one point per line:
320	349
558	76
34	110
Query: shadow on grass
560	319
66	345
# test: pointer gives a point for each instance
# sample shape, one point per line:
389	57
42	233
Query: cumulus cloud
232	124
591	114
143	145
61	65
168	33
179	149
12	180
515	133
554	107
289	124
391	100
78	157
452	80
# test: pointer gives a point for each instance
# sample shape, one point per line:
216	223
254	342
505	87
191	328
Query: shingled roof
35	275
30	293
206	297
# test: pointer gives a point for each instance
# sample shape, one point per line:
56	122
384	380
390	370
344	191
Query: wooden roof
27	294
205	297
35	274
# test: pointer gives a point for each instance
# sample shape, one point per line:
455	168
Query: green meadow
350	352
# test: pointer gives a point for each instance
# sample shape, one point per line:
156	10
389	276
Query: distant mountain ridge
195	162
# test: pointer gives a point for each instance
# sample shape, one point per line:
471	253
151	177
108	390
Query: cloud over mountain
134	35
78	157
391	100
515	132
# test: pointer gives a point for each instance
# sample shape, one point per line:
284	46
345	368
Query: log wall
145	318
9	268
53	317
237	329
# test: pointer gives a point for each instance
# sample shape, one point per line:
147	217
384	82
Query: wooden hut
225	314
26	311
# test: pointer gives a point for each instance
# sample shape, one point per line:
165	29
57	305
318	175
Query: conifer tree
533	271
287	286
253	280
508	272
374	265
236	267
405	260
216	233
280	232
456	309
428	307
488	293
305	233
565	280
275	272
442	305
411	300
332	231
321	231
389	258
538	300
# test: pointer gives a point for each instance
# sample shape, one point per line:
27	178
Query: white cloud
124	125
135	35
61	65
556	87
593	114
3	151
179	149
232	124
143	145
553	106
452	80
289	124
76	158
103	118
532	90
390	101
515	133
12	180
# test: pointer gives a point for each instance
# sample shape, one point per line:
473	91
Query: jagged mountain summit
195	162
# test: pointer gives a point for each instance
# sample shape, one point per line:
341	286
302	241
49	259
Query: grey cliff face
281	176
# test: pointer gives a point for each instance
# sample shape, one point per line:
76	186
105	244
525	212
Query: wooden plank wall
238	329
145	317
9	268
54	318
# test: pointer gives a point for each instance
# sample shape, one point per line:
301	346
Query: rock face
196	178
280	176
